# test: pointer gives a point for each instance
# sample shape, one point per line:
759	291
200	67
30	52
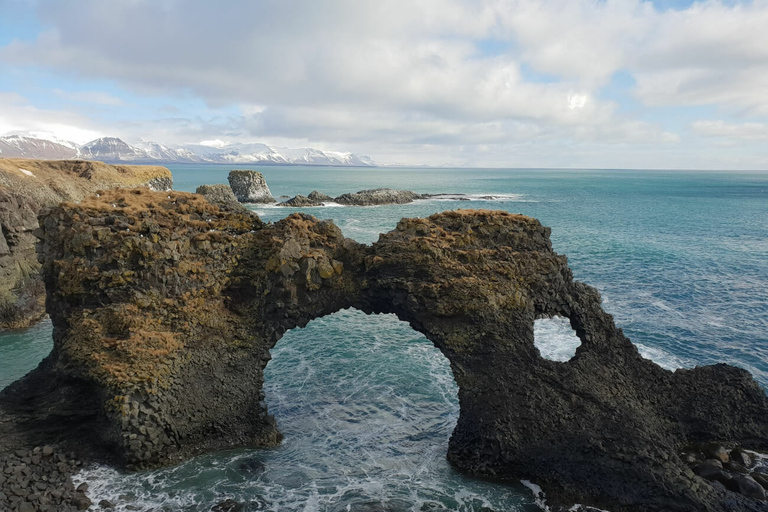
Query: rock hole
555	338
357	395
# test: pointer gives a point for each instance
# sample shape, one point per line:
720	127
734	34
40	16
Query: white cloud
709	54
743	131
16	114
410	78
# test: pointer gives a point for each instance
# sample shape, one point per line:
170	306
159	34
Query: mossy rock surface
165	307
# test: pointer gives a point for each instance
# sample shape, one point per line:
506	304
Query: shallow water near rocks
367	405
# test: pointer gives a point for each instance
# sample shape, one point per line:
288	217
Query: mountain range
114	150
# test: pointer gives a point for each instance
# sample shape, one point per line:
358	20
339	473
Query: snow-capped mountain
114	150
20	146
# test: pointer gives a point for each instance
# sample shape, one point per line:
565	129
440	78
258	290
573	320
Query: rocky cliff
165	308
250	187
26	186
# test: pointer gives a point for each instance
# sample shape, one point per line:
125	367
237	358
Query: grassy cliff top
49	182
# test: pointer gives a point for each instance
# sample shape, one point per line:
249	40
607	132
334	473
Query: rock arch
165	308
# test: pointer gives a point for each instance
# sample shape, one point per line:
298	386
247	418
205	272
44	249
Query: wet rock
748	487
299	201
740	457
250	187
252	466
716	451
228	505
760	478
713	474
735	468
713	463
106	504
81	501
319	197
378	196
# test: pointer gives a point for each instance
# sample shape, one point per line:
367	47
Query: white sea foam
539	497
490	197
660	357
367	406
555	338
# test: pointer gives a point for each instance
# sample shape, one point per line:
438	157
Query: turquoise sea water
367	405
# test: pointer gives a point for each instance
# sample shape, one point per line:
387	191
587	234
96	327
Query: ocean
367	405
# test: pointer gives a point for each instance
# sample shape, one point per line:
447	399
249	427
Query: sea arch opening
555	338
367	405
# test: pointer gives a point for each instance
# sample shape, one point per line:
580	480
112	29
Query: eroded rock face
26	186
21	292
300	201
378	196
165	310
222	196
314	198
250	187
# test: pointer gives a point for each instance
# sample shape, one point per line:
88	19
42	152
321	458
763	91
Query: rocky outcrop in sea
27	186
373	197
314	198
165	308
250	187
378	196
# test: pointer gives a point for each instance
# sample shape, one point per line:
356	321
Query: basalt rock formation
165	308
373	197
378	196
314	198
250	187
222	196
26	186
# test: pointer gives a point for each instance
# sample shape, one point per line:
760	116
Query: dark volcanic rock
299	201
26	186
378	196
314	198
165	310
222	196
319	197
250	187
31	481
748	487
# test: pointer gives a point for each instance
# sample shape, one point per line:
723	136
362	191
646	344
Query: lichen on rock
26	186
165	308
250	187
222	196
378	196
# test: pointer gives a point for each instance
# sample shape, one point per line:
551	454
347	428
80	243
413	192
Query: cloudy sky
502	83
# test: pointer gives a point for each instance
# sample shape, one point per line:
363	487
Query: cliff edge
26	187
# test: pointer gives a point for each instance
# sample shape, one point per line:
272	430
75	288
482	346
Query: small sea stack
250	187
